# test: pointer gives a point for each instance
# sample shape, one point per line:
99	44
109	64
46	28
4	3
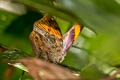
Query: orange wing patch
49	24
51	30
77	31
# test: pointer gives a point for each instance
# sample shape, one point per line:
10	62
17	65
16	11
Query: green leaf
91	72
5	19
76	59
10	55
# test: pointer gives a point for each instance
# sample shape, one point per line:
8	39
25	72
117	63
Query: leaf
48	7
92	73
13	7
5	19
10	55
14	31
76	59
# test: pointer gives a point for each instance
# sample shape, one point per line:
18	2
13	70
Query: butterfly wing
46	39
49	24
70	37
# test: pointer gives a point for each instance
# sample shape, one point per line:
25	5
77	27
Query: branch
42	70
10	55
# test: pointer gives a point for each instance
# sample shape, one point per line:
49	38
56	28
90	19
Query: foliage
94	54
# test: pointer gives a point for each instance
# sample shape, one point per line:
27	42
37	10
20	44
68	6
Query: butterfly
48	42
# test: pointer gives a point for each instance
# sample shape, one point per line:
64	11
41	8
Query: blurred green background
95	54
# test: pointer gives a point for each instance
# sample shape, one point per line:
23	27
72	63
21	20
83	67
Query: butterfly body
47	40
